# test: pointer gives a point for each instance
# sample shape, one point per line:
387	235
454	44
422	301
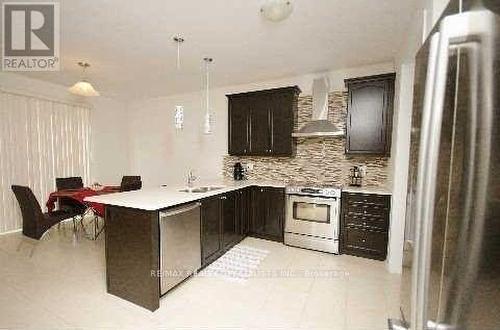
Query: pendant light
207	123
83	87
179	40
179	109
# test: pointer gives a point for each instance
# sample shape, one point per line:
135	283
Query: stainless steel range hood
319	124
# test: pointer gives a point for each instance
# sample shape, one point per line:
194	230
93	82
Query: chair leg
81	222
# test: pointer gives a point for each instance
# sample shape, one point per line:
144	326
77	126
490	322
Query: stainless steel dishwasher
180	247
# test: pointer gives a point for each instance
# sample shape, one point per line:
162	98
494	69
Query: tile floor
62	285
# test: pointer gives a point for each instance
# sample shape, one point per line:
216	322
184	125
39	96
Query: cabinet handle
223	197
261	190
363	240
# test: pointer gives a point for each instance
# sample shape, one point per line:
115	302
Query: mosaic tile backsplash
317	160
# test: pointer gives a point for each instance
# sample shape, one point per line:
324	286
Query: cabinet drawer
367	199
367	221
367	210
371	242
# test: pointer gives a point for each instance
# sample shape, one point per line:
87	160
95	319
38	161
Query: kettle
238	172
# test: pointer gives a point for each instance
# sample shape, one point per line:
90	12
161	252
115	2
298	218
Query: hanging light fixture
83	87
207	123
179	109
276	10
179	40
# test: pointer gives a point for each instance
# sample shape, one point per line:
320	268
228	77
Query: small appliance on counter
356	176
238	172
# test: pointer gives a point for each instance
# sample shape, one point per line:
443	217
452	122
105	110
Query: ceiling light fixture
207	123
179	40
276	10
83	87
179	109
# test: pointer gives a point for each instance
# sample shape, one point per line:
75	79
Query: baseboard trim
10	232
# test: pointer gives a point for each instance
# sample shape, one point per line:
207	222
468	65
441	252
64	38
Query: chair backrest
30	209
131	182
69	183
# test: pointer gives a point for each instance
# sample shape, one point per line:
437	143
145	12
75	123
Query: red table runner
79	195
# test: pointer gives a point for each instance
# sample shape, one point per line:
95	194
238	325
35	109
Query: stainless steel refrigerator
451	276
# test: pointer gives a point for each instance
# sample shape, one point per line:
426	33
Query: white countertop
152	199
368	190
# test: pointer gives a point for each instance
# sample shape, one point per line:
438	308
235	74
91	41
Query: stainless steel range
313	217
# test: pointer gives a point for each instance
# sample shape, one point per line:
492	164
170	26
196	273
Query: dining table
79	195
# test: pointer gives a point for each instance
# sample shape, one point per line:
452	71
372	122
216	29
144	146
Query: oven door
313	216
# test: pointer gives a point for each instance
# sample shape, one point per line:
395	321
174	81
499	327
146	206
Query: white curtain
40	139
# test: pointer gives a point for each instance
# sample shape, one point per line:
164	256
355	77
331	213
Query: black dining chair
68	204
35	222
74	182
130	183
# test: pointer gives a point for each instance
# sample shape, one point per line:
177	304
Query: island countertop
153	199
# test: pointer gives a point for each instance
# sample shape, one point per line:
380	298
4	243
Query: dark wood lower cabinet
268	213
244	207
133	238
133	255
230	219
365	225
211	230
223	220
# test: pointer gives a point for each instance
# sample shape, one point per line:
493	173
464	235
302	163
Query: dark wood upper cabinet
282	113
261	123
369	114
239	113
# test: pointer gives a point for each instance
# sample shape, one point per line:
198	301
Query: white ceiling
129	43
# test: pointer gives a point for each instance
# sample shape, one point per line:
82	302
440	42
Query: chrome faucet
191	179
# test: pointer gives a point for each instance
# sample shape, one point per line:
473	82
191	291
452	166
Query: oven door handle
313	199
336	221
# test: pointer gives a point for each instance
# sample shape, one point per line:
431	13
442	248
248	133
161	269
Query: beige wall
163	155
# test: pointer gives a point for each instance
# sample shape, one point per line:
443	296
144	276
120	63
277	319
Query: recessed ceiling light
276	10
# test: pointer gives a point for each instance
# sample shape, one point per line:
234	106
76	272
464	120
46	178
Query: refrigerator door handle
418	289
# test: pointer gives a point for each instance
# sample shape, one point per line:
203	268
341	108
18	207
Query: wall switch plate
362	170
249	166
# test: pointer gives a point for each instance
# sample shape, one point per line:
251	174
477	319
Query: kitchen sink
200	189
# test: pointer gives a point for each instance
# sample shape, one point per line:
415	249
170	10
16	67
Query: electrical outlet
249	166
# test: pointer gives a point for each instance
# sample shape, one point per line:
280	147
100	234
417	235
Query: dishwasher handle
167	214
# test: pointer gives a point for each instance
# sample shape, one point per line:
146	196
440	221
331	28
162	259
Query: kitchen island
230	210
